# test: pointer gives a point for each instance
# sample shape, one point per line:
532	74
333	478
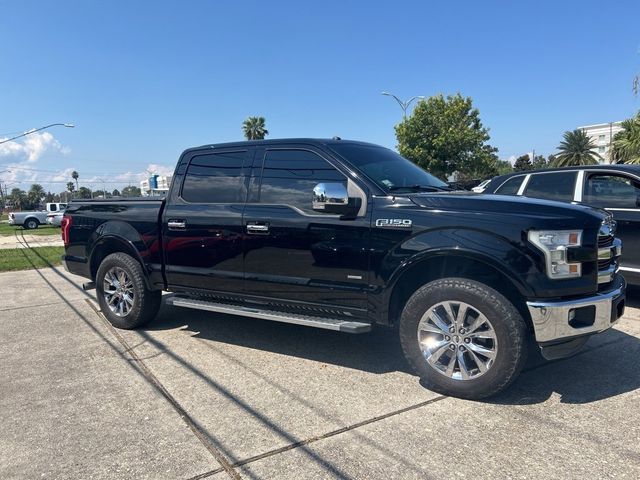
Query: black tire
31	224
146	303
506	323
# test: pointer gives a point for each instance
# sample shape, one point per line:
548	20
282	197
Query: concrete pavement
201	395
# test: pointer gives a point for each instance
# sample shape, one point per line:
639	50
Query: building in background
155	185
602	136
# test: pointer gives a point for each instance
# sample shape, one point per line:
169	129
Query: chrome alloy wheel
118	291
457	340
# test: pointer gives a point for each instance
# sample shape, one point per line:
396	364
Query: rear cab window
559	186
216	178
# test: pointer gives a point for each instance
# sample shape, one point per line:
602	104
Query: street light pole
403	105
68	125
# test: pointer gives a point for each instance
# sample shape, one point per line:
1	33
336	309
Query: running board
348	326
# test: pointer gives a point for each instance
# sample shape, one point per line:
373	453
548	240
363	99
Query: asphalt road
201	395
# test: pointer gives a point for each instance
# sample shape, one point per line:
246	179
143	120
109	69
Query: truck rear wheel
463	338
122	293
31	224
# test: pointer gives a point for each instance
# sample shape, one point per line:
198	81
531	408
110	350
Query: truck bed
98	224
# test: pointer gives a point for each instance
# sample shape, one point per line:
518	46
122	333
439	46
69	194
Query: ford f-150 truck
350	236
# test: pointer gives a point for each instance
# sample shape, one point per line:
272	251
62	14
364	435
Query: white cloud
31	148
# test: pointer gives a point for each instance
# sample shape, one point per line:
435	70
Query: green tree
18	198
576	149
84	192
115	193
503	167
131	191
254	128
445	135
35	195
551	160
539	162
70	188
523	162
75	176
626	143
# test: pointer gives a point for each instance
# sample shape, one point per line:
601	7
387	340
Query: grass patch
6	229
4	216
28	258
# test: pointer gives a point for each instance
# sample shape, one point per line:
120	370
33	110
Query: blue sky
145	80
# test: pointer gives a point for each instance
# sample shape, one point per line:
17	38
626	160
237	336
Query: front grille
605	241
607	252
604	264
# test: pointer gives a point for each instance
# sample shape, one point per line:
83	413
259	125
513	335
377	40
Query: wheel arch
109	244
455	264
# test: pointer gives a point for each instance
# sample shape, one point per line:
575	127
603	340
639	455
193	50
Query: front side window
558	186
611	191
215	178
289	176
511	186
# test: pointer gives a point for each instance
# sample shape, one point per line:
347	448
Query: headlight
554	244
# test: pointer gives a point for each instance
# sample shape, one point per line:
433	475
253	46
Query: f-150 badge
394	222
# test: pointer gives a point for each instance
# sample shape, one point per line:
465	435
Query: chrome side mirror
330	198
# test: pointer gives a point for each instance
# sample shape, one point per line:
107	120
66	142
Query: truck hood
509	205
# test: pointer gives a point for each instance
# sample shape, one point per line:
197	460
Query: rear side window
552	186
289	176
511	186
611	191
215	178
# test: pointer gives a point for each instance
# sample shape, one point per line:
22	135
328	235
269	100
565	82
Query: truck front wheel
463	338
122	293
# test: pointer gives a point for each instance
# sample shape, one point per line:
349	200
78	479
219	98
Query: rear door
202	223
292	252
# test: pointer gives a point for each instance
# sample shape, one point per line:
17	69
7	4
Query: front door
292	252
620	194
202	224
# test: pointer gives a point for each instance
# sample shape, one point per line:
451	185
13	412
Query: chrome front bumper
566	320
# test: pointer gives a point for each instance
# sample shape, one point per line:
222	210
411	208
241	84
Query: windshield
390	171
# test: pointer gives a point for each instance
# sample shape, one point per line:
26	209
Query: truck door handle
177	224
261	228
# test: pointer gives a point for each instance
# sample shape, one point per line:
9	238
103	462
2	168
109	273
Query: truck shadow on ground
605	368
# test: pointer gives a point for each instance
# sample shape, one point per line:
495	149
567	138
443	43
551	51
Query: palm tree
254	128
71	187
626	143
36	194
576	149
75	176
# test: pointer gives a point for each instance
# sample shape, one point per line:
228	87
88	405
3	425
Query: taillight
65	226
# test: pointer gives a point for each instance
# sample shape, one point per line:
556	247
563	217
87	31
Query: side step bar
340	325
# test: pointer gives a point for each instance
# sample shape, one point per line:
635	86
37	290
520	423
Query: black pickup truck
349	236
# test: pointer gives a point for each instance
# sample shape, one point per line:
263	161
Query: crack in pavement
153	380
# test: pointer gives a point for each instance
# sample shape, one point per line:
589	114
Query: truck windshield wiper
421	188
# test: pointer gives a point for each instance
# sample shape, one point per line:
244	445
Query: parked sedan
615	188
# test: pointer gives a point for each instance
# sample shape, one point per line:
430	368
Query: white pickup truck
31	220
